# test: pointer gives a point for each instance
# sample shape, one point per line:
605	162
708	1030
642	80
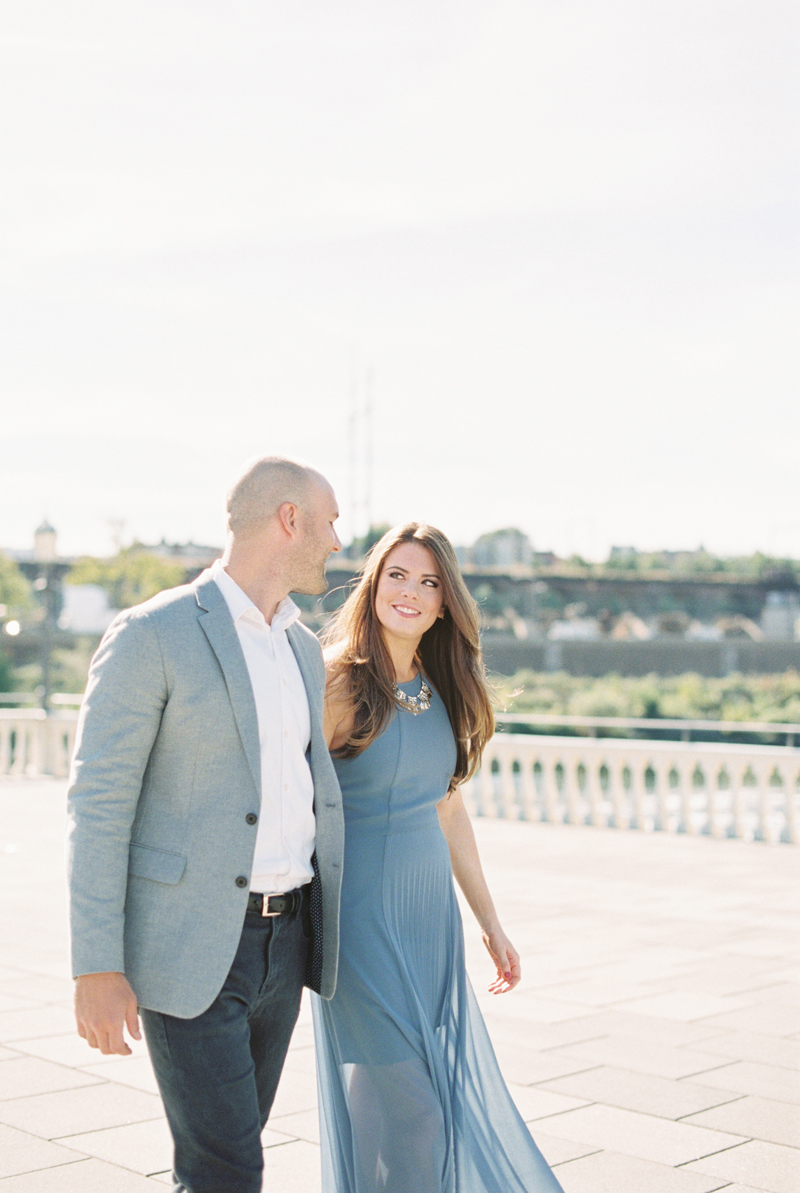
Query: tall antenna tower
361	448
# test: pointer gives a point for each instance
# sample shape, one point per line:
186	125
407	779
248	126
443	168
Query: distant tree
758	565
16	595
128	578
16	599
365	542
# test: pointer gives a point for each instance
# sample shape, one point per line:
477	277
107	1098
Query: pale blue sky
563	234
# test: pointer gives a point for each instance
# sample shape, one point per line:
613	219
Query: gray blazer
165	772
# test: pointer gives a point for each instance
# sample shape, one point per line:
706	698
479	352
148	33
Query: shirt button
241	881
251	818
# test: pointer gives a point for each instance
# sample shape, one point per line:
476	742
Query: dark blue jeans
218	1073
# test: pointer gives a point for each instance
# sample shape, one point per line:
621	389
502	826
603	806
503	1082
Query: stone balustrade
35	743
746	792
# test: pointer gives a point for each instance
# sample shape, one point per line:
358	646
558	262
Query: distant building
502	548
779	616
44	544
85	609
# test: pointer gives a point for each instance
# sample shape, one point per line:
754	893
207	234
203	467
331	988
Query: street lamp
46	557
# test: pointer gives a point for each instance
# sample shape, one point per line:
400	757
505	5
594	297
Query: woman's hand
506	960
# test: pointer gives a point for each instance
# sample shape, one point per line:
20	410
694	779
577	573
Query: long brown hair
449	653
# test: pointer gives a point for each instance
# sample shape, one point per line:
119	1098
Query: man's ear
289	518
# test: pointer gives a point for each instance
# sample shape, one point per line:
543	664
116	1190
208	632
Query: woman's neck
403	657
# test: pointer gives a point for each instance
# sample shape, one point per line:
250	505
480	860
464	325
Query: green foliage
732	698
15	591
16	600
128	578
491	602
365	542
757	566
7	676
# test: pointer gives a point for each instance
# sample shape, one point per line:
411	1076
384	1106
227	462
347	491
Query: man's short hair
262	488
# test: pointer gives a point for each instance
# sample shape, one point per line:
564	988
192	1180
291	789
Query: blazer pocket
156	864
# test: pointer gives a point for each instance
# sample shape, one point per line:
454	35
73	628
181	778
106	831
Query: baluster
638	767
20	751
791	780
686	771
486	784
712	801
570	792
764	801
59	751
530	810
737	801
506	802
661	771
616	779
549	788
553	797
36	763
594	790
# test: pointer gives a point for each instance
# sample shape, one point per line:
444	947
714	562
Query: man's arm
119	721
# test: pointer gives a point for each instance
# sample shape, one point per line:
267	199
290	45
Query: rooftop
653	1046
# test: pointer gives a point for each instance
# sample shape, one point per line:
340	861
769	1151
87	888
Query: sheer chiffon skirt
411	1096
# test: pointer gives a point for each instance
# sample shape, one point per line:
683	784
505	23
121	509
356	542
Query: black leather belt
269	905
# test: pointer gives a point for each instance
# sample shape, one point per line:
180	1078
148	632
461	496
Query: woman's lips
406	611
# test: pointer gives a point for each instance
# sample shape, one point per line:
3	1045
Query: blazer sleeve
119	721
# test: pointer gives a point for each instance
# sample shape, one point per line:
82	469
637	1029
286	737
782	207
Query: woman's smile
406	611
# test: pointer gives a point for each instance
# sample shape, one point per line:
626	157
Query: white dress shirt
286	825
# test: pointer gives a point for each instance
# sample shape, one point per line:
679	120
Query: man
205	827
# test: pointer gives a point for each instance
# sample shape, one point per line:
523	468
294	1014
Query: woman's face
408	598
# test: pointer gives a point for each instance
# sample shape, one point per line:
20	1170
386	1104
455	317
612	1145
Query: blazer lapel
217	625
311	679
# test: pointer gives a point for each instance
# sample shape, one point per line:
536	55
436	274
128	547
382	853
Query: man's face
318	540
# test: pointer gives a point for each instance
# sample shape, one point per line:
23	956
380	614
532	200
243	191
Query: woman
411	1098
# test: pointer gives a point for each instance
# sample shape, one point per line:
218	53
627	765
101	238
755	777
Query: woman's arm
457	829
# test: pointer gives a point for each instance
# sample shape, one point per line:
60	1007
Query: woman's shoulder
337	666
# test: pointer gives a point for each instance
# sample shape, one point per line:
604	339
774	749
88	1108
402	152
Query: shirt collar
240	605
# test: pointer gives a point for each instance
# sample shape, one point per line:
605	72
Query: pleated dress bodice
395	785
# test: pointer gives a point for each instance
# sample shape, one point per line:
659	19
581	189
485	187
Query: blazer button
251	818
241	881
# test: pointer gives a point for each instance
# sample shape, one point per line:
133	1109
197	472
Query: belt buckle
265	912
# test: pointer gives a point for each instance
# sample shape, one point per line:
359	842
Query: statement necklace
416	704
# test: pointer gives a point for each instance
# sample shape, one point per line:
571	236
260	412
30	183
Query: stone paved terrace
654	1045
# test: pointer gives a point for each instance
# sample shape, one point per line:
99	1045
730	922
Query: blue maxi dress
411	1095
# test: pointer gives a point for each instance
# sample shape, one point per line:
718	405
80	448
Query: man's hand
104	1002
